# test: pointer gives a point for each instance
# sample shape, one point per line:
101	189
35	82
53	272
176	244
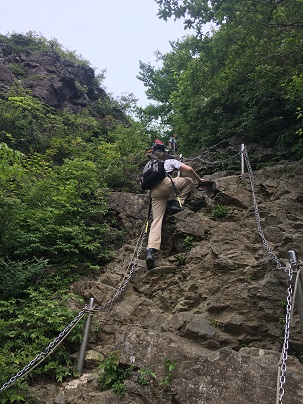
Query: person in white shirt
160	194
172	144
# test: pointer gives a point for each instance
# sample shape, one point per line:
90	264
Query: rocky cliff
53	79
215	304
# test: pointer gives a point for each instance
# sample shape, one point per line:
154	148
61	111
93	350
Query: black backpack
153	174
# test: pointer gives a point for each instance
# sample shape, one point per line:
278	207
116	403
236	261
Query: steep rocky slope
215	304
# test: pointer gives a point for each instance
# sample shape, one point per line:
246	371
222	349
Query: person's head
158	147
158	154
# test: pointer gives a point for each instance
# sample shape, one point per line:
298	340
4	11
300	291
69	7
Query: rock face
54	80
214	305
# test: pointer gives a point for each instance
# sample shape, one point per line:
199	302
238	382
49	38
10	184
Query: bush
219	211
27	326
16	276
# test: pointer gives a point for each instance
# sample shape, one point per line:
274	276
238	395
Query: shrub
27	326
16	276
113	374
219	211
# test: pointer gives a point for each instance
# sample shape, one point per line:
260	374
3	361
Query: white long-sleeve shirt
172	164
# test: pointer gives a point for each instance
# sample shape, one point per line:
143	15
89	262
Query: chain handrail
257	214
284	354
127	278
290	293
45	353
57	341
216	162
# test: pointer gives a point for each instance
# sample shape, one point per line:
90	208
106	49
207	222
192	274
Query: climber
172	144
157	144
161	193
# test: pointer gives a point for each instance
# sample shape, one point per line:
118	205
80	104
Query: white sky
110	34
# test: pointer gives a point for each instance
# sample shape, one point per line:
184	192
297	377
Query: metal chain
289	269
47	351
284	354
257	214
57	341
127	278
214	162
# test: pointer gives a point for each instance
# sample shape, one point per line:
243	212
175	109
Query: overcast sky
110	34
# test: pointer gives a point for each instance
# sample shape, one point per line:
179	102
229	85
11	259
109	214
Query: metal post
84	342
242	158
292	256
180	159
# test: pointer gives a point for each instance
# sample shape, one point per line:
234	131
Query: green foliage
119	160
58	212
170	367
36	43
27	326
181	259
233	81
108	107
145	375
188	242
129	140
219	211
16	276
10	160
30	126
207	234
19	393
112	374
162	83
18	70
25	122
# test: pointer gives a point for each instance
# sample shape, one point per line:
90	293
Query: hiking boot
173	206
150	259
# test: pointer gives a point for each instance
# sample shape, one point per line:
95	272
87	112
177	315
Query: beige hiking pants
160	195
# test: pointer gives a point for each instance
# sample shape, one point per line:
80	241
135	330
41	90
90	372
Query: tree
240	82
163	82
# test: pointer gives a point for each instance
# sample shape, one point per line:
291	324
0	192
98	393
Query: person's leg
183	186
160	195
154	238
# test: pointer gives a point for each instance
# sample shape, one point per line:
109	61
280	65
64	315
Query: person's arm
191	172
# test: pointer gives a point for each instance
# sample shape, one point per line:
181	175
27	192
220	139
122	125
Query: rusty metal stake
298	292
83	347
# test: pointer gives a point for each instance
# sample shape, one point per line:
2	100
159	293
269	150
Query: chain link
257	214
284	354
216	162
44	354
57	341
126	280
289	269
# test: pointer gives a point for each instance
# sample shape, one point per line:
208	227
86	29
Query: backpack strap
175	189
148	213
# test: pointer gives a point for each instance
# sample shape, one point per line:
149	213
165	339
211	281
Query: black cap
159	147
